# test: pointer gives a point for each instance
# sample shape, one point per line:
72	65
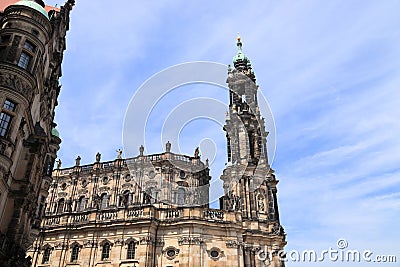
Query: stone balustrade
140	213
213	214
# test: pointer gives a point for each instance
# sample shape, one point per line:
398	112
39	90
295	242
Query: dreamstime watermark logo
148	98
339	254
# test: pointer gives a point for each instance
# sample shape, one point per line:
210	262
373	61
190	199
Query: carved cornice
190	240
233	244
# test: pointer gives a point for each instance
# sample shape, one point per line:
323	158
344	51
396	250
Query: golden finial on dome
238	37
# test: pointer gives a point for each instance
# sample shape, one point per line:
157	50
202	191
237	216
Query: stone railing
80	218
178	158
213	214
108	165
134	213
108	215
171	214
87	168
67	171
139	213
157	157
52	221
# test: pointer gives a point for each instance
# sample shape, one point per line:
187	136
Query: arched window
149	196
75	253
251	142
60	207
181	196
104	201
153	195
131	250
105	254
46	255
126	200
81	203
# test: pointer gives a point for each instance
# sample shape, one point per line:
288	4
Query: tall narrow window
9	105
81	203
5	120
26	55
228	143
181	196
131	250
60	207
4	40
105	254
126	198
104	201
24	60
2	51
271	204
251	142
6	116
29	46
74	253
46	255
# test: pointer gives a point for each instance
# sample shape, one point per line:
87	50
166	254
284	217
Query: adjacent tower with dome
32	44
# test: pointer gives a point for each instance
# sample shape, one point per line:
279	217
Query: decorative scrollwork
15	83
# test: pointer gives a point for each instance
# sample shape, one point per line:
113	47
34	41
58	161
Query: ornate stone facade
152	210
32	42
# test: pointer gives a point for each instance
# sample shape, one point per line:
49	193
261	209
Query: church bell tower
249	182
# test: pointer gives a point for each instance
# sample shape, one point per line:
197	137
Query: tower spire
241	62
239	43
248	172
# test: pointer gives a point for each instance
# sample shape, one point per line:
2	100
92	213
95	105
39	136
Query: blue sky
330	71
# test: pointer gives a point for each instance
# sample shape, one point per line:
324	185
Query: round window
214	253
152	174
105	180
63	186
171	253
182	174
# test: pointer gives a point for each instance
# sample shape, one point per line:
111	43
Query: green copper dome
55	132
240	56
32	4
242	63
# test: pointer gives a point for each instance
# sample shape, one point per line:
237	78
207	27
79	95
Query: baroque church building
145	211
